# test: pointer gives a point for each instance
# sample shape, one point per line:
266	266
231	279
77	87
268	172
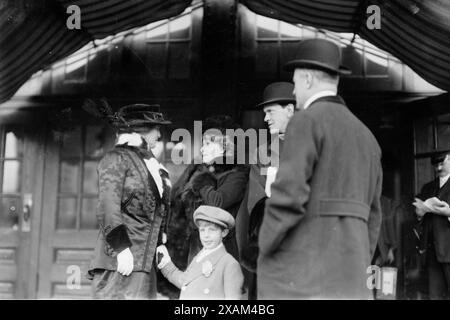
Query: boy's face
211	234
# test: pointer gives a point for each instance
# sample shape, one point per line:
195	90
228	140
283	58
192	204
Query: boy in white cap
213	273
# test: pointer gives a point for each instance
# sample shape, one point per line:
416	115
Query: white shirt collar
205	252
320	94
443	180
132	139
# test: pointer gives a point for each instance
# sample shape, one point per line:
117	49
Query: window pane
266	59
68	178
353	59
90	184
179	28
288	30
158	33
88	217
75	68
156	61
376	64
11	176
267	27
13	143
424	135
9	213
71	146
67	213
179	61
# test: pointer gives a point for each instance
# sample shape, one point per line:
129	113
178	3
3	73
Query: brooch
207	268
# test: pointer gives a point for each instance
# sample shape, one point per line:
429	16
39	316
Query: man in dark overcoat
278	106
322	220
436	228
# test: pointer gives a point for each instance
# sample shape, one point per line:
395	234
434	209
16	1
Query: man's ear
225	232
309	79
290	109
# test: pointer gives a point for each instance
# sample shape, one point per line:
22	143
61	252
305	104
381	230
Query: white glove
125	262
166	257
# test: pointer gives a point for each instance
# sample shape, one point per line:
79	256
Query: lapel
146	154
137	156
195	270
444	190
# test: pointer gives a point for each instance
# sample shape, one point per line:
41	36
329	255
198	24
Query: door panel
69	228
20	169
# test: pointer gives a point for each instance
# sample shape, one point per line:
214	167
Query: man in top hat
133	203
435	222
322	220
278	106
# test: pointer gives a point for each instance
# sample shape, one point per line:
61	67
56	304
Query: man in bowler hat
435	223
278	106
322	220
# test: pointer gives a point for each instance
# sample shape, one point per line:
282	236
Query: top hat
278	92
139	116
318	54
215	215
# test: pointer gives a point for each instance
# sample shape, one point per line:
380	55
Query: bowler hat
278	92
318	54
138	116
438	156
215	215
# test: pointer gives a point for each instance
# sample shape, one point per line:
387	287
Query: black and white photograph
240	151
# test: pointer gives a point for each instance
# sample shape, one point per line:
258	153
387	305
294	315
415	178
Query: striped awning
415	31
33	33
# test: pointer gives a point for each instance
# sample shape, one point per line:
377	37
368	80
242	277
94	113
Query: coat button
206	291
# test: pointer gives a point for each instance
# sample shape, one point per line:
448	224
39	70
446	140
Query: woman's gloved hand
125	262
165	256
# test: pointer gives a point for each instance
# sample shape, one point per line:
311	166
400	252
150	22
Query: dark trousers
111	285
438	277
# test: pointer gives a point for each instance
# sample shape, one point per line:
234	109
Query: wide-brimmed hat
138	116
318	54
278	92
214	214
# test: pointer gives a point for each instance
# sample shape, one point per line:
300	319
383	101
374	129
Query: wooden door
20	194
69	225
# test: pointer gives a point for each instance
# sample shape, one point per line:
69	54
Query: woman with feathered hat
133	204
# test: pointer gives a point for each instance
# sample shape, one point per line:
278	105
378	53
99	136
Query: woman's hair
222	123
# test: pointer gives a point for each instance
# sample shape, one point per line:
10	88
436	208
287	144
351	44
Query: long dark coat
251	211
322	221
434	224
130	211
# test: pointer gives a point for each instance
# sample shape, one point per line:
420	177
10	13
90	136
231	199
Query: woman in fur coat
213	183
